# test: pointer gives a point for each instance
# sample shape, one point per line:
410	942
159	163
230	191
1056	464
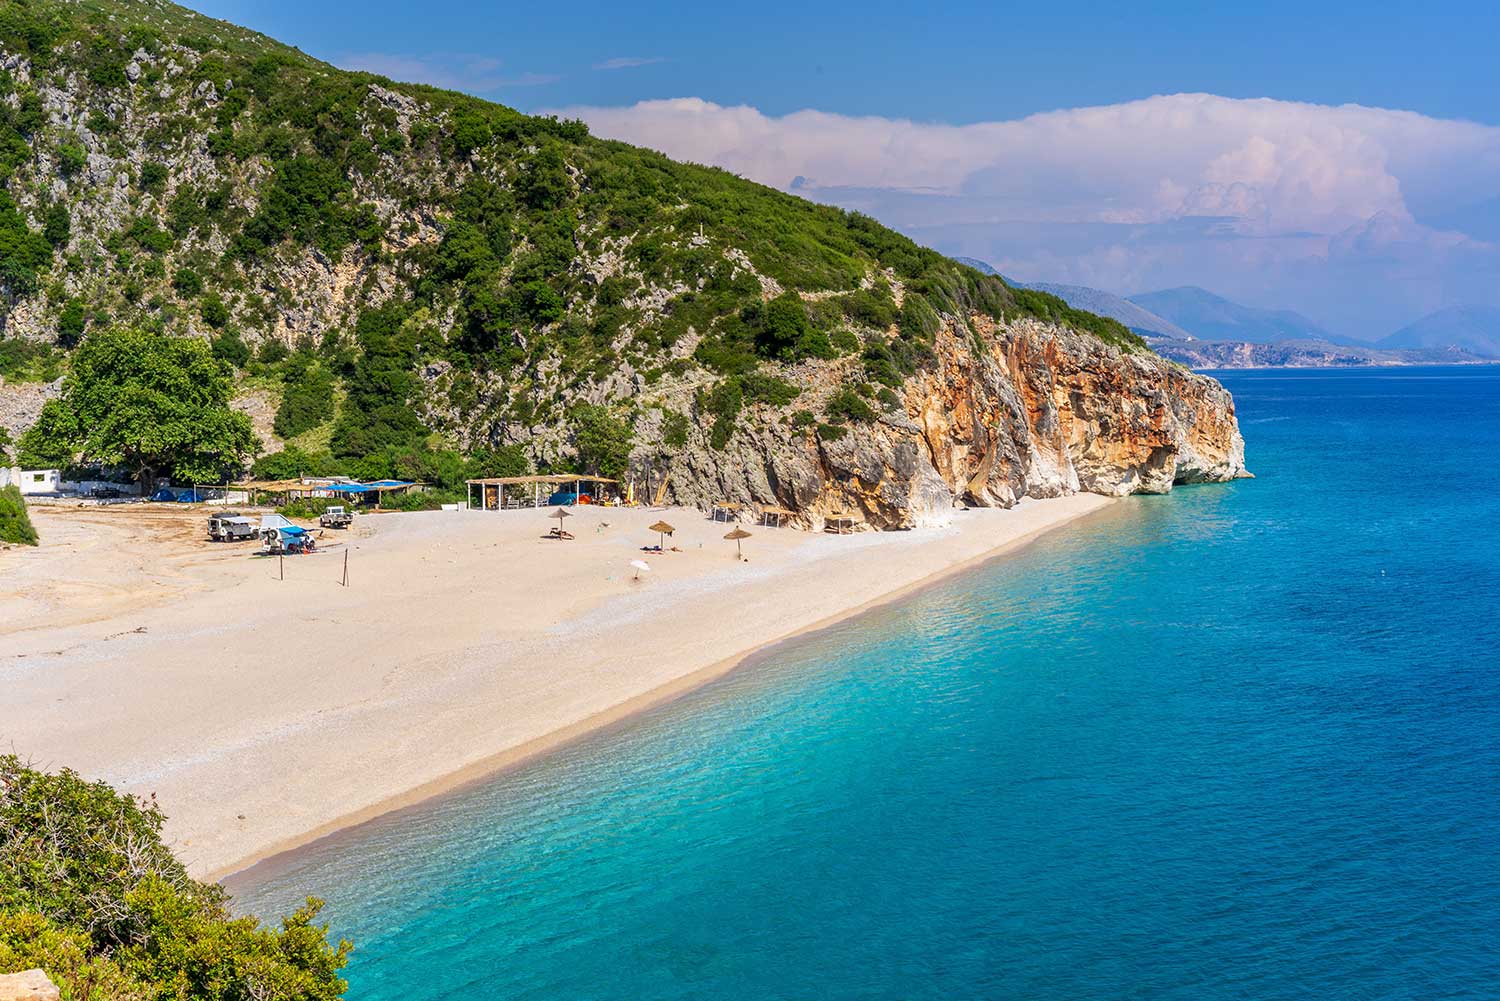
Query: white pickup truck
230	526
335	517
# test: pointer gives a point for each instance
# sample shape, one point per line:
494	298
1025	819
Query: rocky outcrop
21	403
1009	411
30	985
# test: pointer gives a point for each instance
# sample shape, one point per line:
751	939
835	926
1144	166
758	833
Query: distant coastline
1229	355
1194	327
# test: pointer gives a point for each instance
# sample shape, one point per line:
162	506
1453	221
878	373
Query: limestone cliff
1011	410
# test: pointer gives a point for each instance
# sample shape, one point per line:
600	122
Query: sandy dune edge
264	713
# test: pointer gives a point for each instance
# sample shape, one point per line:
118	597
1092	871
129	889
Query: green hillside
409	274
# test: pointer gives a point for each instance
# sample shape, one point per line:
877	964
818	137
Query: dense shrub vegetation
89	893
28	361
15	523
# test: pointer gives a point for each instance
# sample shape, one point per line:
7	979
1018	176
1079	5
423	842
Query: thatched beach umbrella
662	530
560	514
737	535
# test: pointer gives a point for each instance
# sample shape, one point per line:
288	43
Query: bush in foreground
89	893
15	523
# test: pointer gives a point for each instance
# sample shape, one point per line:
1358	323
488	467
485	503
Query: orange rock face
1013	410
1046	411
1042	411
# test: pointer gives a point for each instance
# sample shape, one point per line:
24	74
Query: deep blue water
1238	742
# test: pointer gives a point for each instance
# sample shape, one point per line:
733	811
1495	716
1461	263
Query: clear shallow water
1239	742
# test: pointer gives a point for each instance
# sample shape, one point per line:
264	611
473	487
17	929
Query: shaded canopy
737	534
662	528
560	514
554	478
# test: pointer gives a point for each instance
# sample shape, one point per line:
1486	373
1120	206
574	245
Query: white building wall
38	481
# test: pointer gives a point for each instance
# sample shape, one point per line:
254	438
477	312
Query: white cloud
1234	194
469	73
629	62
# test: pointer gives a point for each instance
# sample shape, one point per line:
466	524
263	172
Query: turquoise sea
1242	741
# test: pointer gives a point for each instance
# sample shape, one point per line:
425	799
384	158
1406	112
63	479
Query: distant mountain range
979	266
1198	328
1213	318
1135	316
1469	328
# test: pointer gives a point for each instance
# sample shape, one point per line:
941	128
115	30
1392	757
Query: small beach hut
737	535
772	516
841	524
662	530
560	514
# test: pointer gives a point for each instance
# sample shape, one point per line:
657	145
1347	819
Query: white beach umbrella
640	565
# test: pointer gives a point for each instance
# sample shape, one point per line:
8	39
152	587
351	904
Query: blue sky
1338	159
961	62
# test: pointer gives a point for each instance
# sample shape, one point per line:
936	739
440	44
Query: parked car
231	526
108	493
335	517
289	540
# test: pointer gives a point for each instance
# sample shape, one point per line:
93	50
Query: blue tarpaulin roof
363	488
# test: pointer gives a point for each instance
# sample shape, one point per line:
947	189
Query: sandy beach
263	712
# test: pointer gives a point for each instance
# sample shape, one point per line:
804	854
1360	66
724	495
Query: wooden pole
281	565
346	568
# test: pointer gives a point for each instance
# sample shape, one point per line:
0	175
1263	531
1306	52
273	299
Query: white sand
263	713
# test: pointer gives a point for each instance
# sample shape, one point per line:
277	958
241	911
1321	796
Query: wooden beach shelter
536	483
362	492
772	517
560	514
286	490
727	509
737	535
841	524
662	530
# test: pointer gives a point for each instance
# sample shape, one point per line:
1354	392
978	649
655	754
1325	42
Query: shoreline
498	764
267	714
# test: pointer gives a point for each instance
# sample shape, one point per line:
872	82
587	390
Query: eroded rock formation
1014	410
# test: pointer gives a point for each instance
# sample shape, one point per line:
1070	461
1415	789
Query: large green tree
604	442
150	403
